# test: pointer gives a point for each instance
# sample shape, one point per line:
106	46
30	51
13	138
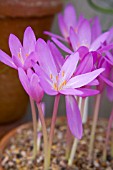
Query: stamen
55	86
56	78
19	55
51	76
27	55
63	73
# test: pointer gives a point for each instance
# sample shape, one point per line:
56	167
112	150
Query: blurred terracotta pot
15	16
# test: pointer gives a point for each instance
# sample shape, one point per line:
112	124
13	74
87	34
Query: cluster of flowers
88	62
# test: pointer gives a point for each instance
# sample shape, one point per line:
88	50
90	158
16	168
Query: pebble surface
19	151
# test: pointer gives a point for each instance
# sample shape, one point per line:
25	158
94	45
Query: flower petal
97	43
86	65
54	35
45	58
59	60
24	80
36	90
68	68
14	45
84	34
70	16
96	28
29	40
83	79
73	116
29	60
45	81
17	61
62	46
73	39
75	92
62	26
6	59
88	92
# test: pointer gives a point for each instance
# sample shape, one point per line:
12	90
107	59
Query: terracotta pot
15	16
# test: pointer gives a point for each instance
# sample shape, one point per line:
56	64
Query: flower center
56	85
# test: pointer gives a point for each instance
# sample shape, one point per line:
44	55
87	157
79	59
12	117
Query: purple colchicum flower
63	81
21	55
30	83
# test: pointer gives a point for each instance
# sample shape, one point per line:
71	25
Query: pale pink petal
54	35
86	65
68	68
36	90
29	40
96	28
24	80
73	116
62	26
14	45
62	46
70	16
73	39
68	91
45	58
84	34
97	43
58	58
6	59
84	79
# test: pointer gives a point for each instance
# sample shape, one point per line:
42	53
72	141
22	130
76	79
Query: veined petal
24	80
75	92
14	45
62	26
86	65
88	92
106	80
73	116
74	39
97	43
68	68
29	60
93	83
83	79
54	35
17	61
45	58
84	34
45	81
70	16
62	46
36	90
6	59
29	40
96	28
58	58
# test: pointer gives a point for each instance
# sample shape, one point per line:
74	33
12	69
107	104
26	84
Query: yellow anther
56	78
55	86
63	73
27	55
62	84
51	76
19	55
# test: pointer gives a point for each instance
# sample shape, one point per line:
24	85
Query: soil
17	154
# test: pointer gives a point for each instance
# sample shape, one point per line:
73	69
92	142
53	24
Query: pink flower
21	55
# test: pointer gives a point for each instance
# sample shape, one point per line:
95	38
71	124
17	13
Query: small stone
108	168
5	160
96	164
23	153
